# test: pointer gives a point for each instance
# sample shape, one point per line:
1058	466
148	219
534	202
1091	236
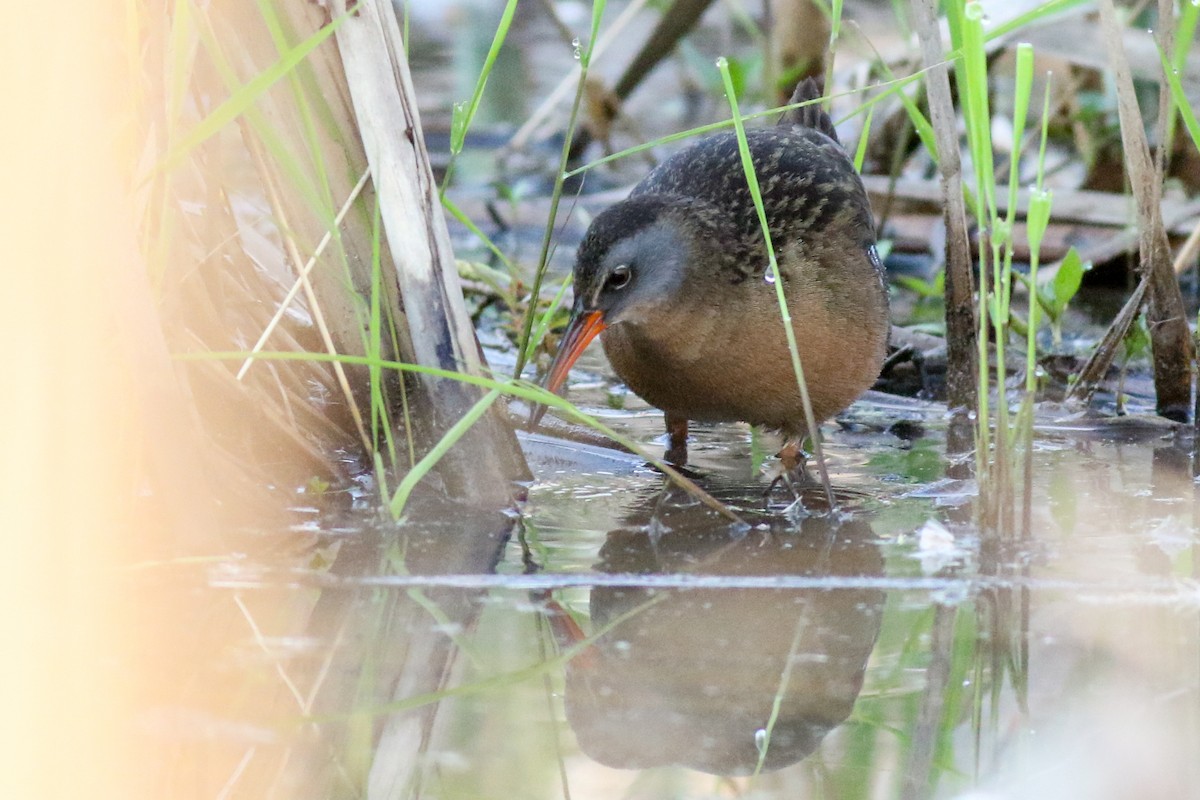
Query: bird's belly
745	372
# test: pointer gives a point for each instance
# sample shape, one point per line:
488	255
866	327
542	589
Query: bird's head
636	257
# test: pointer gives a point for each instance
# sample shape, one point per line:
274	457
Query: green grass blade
1186	112
435	454
470	225
860	152
543	325
517	388
1037	220
237	103
458	133
1023	87
464	113
773	266
1033	15
585	60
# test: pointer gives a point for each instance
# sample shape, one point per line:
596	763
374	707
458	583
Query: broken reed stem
962	368
1096	367
1170	336
480	468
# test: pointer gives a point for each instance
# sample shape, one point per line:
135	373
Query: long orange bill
583	328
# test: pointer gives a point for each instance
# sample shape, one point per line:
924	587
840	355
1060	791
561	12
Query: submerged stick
1096	367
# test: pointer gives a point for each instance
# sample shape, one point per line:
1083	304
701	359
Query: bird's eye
619	277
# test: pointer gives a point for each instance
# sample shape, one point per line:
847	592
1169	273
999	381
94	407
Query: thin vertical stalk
773	265
585	60
835	29
961	333
464	113
930	719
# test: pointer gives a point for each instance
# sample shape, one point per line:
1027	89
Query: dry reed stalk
425	279
1170	336
537	121
961	323
1098	363
798	38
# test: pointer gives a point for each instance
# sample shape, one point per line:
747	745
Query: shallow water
619	639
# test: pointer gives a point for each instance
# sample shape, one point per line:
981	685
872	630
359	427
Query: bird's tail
811	115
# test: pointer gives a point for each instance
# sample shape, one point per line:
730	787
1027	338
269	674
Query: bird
675	280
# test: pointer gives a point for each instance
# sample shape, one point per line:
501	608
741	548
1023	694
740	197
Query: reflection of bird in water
676	279
691	676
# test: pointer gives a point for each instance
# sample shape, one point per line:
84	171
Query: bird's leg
677	433
793	468
794	459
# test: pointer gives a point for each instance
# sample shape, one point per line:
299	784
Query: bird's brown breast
720	353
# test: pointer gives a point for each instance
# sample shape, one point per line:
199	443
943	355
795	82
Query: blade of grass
530	392
242	99
889	87
543	325
966	26
1180	99
464	115
785	678
556	196
773	264
1033	15
305	91
470	225
860	152
380	407
1036	221
835	29
430	460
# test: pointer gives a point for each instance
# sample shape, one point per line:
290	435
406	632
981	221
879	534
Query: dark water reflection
727	681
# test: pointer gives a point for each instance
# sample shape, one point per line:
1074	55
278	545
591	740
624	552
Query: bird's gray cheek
636	310
624	315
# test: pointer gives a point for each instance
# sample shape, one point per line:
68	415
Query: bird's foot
677	432
795	481
676	456
791	472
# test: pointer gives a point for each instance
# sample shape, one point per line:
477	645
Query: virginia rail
676	280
